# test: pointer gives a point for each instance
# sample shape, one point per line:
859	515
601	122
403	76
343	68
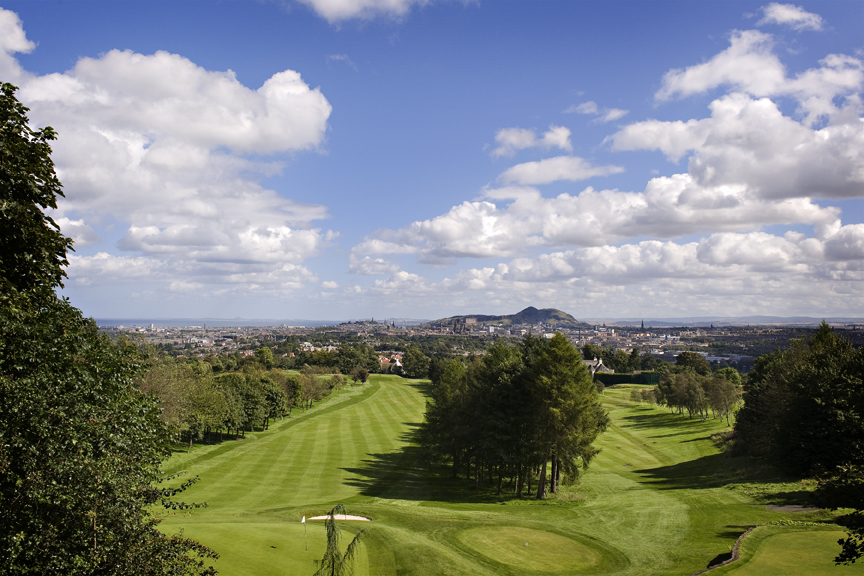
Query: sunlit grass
659	499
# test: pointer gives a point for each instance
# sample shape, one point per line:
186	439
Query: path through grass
659	499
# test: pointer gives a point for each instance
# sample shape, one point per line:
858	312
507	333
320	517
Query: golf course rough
650	503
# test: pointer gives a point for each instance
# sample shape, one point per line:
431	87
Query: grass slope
659	499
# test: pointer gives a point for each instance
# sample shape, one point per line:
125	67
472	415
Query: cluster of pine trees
508	414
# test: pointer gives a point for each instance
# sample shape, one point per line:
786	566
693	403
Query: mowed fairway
650	504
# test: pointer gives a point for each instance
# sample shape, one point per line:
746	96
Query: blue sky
336	159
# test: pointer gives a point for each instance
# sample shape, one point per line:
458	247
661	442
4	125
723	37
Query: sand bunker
342	517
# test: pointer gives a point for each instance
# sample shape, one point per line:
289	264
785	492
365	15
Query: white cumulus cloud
170	152
790	15
603	114
748	143
570	168
510	140
335	11
749	65
13	40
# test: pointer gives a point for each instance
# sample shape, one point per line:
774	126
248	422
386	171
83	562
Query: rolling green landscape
660	498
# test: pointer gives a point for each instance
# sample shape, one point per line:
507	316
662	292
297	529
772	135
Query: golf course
660	498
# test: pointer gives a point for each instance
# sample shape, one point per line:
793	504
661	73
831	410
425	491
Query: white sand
342	517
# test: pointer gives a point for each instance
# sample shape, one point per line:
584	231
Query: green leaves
32	249
80	445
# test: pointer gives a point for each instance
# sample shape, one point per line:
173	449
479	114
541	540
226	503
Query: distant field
659	499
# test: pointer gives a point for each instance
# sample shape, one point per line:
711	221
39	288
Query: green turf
518	546
772	550
659	499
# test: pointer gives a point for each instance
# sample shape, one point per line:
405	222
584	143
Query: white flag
303	521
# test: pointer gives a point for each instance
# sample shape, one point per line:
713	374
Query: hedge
642	378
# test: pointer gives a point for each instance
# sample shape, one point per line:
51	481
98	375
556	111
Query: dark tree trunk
519	481
541	484
553	479
500	480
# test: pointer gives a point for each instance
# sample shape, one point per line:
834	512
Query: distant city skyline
424	159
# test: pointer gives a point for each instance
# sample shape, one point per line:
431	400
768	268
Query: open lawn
659	499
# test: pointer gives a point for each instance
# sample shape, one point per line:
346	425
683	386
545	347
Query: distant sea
233	322
209	322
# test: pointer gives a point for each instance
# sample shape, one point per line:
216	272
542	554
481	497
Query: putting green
773	551
526	548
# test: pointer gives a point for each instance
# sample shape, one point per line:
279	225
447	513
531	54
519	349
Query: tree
730	374
693	360
844	488
634	362
32	249
804	406
414	363
264	355
569	416
334	562
80	444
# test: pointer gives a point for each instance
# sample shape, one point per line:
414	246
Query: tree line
198	402
804	412
506	415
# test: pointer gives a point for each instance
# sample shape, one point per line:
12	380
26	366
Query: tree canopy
514	410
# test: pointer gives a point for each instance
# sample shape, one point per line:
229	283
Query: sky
343	159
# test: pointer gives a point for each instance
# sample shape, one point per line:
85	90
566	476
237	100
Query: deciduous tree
80	444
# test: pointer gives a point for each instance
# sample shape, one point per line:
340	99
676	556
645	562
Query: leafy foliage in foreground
80	445
334	562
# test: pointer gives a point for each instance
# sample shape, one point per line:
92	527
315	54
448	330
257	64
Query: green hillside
659	499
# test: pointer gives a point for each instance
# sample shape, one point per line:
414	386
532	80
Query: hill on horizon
530	315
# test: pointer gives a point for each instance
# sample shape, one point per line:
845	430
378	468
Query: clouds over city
749	165
434	158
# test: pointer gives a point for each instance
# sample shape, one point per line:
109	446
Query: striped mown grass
659	499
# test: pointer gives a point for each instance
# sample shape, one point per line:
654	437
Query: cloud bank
749	166
172	154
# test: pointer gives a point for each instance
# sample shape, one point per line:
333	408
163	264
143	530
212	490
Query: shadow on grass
700	473
406	475
653	419
763	483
